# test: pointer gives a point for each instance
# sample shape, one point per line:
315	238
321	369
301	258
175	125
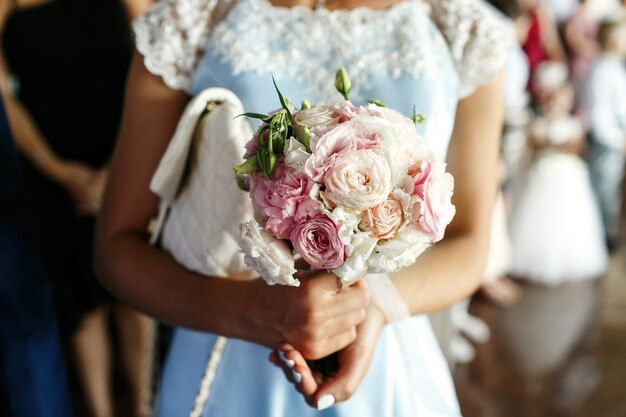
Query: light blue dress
412	55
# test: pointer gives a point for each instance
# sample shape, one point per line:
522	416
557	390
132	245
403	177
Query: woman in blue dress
442	56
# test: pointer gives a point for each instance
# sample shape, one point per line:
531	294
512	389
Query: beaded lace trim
257	36
171	37
308	46
479	41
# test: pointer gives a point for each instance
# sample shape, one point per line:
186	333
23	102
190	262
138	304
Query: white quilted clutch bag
201	204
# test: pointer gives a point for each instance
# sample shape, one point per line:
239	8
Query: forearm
451	269
435	282
28	139
150	280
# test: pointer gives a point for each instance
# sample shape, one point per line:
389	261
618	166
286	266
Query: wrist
51	166
241	321
376	315
386	298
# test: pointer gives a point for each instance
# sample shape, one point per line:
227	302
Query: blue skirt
408	377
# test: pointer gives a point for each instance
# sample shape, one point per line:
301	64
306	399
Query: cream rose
319	120
359	180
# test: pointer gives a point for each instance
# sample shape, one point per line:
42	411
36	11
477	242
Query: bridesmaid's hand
317	318
94	192
354	361
74	176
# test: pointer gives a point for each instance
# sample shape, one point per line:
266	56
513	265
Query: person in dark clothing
76	52
32	369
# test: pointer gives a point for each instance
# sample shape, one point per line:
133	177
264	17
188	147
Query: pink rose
383	220
287	198
343	139
317	241
252	146
348	112
434	186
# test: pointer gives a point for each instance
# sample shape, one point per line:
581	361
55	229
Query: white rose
346	221
269	256
403	147
359	180
399	252
295	155
358	252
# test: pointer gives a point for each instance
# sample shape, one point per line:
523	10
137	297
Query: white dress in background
555	226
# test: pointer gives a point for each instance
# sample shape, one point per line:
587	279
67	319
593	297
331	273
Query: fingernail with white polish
290	363
325	401
297	376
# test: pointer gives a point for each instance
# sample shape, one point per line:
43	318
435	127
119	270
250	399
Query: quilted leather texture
196	181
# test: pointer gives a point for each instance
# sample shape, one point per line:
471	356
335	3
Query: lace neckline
260	37
362	12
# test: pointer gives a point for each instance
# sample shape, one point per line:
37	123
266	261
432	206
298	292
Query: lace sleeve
171	36
479	40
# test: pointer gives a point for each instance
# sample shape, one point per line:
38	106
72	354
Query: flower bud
342	83
250	166
303	134
376	102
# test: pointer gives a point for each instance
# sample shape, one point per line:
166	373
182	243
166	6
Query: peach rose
383	220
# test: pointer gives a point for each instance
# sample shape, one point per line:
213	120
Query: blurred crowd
557	216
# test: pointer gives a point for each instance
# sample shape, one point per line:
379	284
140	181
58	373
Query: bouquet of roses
351	189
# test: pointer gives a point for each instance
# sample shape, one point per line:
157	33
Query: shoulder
478	36
171	37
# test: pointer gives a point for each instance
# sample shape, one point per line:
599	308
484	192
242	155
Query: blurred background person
607	110
556	229
76	52
540	36
32	368
580	38
561	10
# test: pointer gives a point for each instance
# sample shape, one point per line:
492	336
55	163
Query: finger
273	358
323	280
305	380
345	301
330	345
276	358
342	385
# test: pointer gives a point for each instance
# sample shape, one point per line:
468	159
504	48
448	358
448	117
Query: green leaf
259	116
241	182
262	133
250	166
376	102
282	100
306	104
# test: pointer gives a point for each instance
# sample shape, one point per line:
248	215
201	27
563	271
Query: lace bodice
173	35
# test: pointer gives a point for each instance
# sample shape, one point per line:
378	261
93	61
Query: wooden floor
558	352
